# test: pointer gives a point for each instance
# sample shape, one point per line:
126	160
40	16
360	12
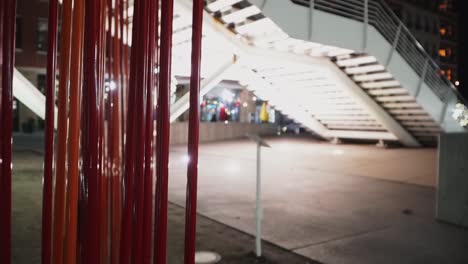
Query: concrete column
452	191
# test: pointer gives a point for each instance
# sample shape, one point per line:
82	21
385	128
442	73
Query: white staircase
393	86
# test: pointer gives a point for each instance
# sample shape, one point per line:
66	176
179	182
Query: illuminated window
449	74
443	31
442	53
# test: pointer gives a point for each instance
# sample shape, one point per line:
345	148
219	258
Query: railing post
395	44
366	25
421	80
311	18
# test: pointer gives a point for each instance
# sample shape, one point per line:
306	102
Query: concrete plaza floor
332	203
234	246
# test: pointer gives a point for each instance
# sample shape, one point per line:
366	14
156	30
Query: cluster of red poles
111	142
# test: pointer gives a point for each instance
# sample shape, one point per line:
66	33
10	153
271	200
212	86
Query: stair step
388	91
372	77
356	61
395	98
401	105
364	69
217	5
238	15
419	123
407	111
381	84
414	117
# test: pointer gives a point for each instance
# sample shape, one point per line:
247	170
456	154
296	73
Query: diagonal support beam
208	83
29	95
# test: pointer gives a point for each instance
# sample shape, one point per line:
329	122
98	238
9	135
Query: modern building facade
435	26
31	55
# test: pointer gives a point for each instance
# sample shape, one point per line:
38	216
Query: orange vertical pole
74	136
59	203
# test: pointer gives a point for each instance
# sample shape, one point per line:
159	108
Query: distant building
31	57
434	23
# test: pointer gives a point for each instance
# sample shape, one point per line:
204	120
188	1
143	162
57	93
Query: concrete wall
219	131
452	192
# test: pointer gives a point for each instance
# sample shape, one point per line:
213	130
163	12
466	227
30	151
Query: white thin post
395	44
422	78
311	18
259	216
366	24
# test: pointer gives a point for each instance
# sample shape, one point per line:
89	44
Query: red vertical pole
49	133
62	132
7	119
140	129
103	129
162	137
2	7
74	137
148	210
114	139
90	136
194	120
127	216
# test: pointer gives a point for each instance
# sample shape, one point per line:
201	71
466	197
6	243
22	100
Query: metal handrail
384	20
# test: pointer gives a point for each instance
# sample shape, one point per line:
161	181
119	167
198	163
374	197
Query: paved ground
234	246
333	203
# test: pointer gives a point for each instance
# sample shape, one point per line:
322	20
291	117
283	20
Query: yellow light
442	53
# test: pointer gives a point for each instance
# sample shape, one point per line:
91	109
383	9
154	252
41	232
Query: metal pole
115	137
140	129
62	131
127	217
258	214
311	17
49	134
366	24
7	119
194	120
162	138
150	92
74	137
90	136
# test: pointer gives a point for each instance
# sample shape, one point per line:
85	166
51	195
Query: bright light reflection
337	152
185	159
